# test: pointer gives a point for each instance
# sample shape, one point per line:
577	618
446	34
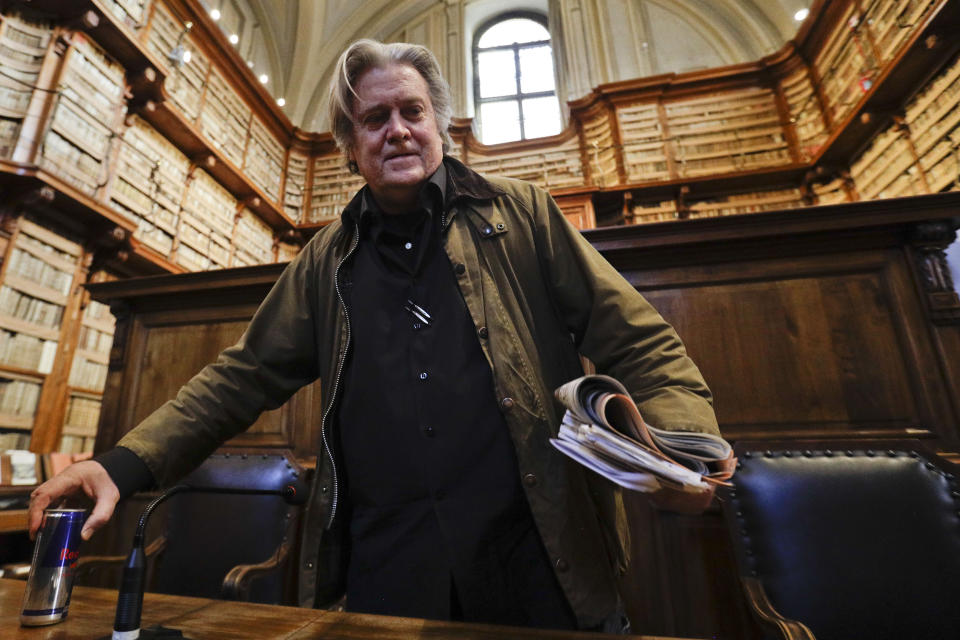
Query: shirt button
423	375
428	431
459	268
483	333
506	404
530	480
562	565
408	246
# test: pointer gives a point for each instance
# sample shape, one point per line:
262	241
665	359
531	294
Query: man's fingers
88	477
101	513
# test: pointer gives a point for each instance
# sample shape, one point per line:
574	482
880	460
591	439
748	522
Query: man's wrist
127	471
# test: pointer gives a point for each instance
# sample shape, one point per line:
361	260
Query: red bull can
55	554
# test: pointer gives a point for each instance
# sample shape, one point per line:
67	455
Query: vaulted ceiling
295	42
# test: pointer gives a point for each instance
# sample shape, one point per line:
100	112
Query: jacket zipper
336	382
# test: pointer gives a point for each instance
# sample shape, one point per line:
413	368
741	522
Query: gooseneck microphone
126	625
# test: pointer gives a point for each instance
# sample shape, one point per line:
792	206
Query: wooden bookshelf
331	189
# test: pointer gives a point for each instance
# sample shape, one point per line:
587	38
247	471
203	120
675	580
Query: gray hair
367	54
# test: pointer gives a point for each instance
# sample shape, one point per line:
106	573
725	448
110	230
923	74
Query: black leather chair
221	546
842	541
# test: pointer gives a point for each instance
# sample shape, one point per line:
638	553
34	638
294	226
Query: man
440	312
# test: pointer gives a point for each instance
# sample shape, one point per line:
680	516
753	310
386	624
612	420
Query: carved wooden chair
237	547
847	540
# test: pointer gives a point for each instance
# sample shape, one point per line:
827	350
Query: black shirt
435	503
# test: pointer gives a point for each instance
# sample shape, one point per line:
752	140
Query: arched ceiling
297	41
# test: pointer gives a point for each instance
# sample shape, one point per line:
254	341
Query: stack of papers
603	430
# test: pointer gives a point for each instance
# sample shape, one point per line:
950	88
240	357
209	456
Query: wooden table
92	611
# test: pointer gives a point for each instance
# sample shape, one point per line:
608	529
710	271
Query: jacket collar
462	182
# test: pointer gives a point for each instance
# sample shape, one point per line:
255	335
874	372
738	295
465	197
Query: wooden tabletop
92	611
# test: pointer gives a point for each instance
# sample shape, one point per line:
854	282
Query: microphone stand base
156	632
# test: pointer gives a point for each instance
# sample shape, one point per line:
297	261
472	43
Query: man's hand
87	476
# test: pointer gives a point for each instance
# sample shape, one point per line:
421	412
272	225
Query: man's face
396	144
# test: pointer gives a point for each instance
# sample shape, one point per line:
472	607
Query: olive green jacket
539	295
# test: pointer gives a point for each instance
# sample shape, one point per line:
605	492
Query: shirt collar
432	196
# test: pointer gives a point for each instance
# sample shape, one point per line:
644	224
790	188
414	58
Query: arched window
513	83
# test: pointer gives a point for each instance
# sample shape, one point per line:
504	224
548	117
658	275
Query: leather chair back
208	533
852	541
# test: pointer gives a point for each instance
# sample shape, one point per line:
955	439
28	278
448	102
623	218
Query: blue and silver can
55	554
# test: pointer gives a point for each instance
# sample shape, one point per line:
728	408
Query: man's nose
397	129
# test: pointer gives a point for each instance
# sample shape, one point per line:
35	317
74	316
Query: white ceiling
296	41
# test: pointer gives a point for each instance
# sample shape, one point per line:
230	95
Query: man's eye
415	112
374	120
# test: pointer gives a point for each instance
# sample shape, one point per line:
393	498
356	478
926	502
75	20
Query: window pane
498	76
541	117
499	121
536	69
513	30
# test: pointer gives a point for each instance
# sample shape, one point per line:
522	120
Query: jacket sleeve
617	329
275	356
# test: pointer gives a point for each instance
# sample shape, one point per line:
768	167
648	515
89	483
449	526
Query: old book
603	430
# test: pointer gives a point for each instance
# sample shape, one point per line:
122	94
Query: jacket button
428	431
530	480
487	230
459	269
506	404
483	333
562	565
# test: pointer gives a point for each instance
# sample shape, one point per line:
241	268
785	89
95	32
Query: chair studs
807	453
891	453
828	453
748	454
849	453
243	456
871	453
768	454
788	454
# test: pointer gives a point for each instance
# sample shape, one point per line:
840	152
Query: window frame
519	96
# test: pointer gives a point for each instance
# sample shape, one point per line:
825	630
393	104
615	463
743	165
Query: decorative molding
929	241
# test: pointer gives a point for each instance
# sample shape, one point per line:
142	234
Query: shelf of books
830	192
331	189
601	151
23	47
934	121
132	13
263	163
225	118
892	22
87	378
805	114
644	151
253	241
148	185
726	132
187	72
752	202
206	224
845	65
644	212
887	168
39	273
294	190
554	168
88	107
